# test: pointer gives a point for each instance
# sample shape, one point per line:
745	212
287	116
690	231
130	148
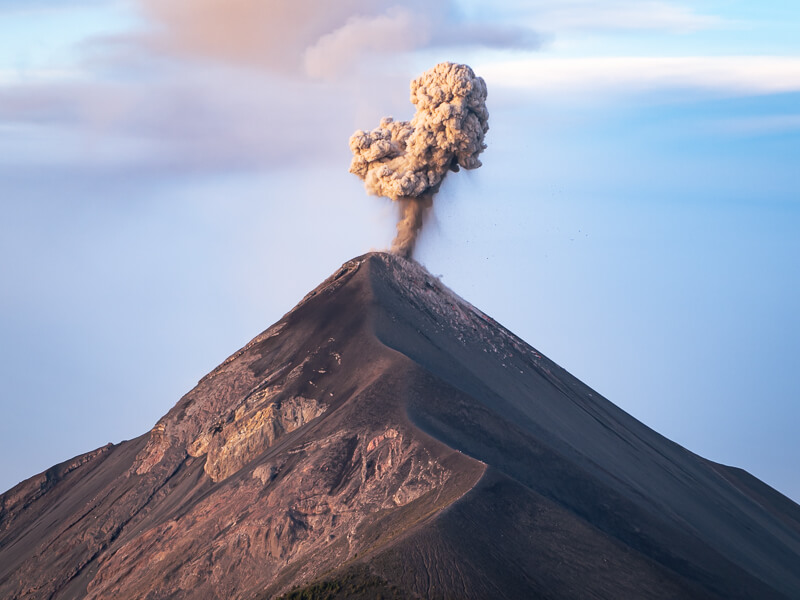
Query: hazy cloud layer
214	84
321	38
217	120
397	30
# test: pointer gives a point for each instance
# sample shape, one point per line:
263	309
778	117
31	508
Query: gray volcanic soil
387	438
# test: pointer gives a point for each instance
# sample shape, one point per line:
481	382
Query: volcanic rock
387	439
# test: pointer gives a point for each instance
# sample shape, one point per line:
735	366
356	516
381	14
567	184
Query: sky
175	178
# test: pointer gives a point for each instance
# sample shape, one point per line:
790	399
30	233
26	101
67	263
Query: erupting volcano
387	439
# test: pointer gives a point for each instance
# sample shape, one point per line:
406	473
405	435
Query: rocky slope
385	437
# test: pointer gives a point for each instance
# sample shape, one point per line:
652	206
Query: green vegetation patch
357	583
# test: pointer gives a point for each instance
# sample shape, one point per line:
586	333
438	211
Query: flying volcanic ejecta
407	161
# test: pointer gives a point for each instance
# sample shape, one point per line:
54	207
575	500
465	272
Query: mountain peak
388	437
222	416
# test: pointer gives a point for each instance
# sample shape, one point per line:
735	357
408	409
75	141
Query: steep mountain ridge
620	462
386	436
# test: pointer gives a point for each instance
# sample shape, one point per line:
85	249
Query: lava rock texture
387	439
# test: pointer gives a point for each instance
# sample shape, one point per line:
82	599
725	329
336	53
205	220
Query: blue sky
175	179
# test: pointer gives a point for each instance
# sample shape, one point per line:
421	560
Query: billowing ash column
408	160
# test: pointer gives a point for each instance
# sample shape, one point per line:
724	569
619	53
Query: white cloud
614	75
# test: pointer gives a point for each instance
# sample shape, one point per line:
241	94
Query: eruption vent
408	160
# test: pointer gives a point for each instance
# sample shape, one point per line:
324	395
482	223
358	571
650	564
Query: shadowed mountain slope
387	438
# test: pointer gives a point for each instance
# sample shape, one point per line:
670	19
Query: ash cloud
407	161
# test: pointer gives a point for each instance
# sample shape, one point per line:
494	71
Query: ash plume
407	161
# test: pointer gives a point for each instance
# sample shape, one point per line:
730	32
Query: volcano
387	439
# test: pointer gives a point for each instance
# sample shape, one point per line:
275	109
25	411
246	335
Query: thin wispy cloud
761	125
733	75
621	15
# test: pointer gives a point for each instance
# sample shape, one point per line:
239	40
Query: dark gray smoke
408	160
